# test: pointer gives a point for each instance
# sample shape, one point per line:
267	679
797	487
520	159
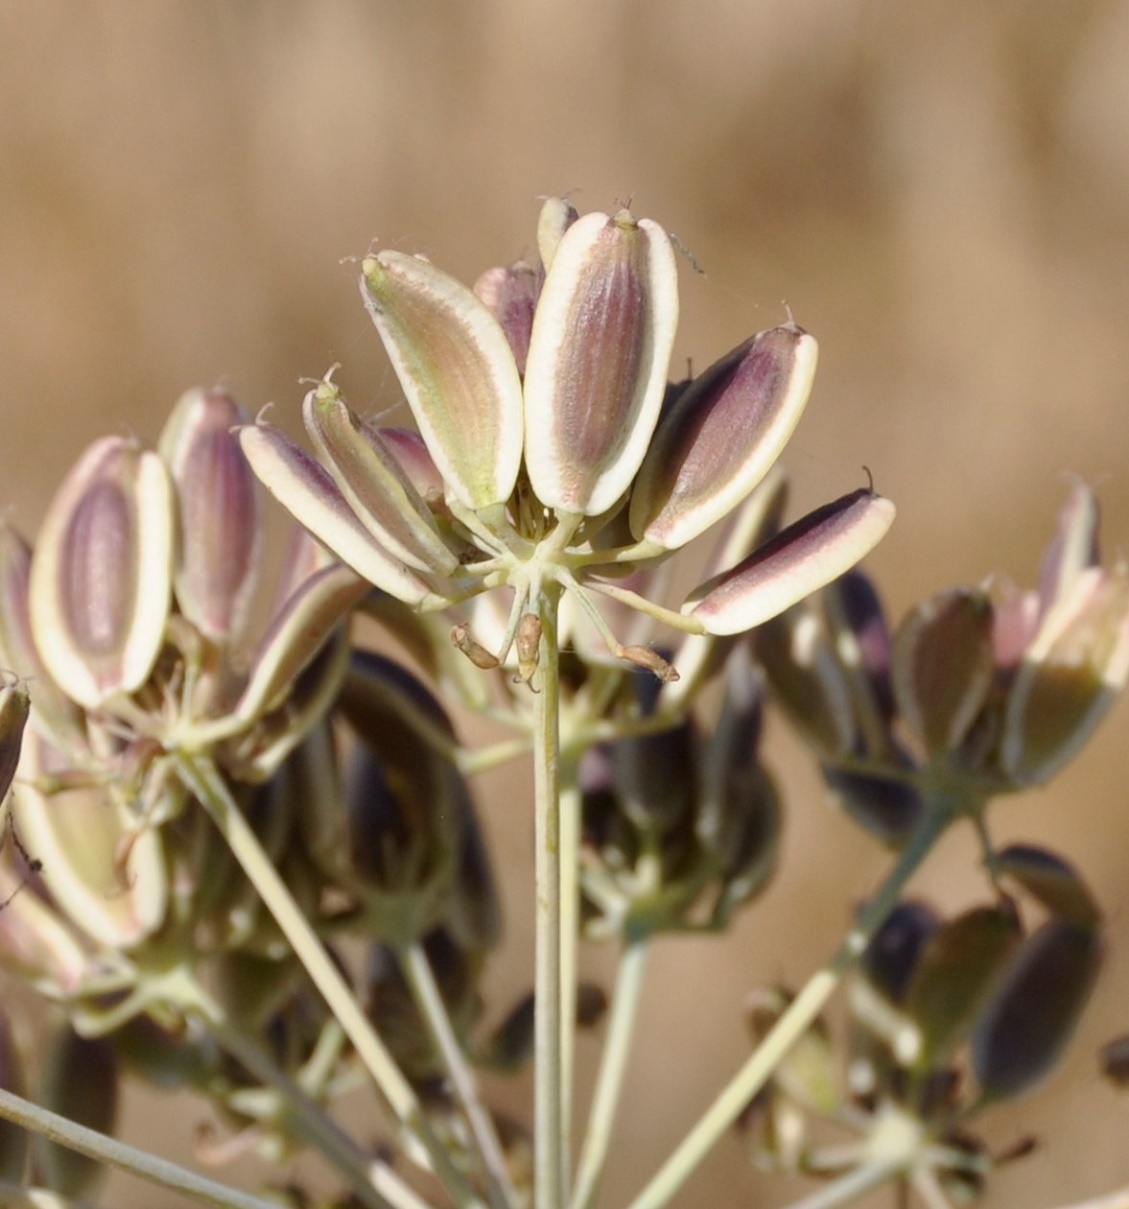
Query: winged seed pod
15	705
942	666
101	575
106	876
458	373
803	558
220	542
598	359
721	436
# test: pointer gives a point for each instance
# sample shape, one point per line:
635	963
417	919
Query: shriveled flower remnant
552	454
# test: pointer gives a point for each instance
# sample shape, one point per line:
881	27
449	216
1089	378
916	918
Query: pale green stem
203	779
117	1154
795	1021
570	804
848	1187
307	1117
548	1148
428	999
613	1065
929	1188
471	763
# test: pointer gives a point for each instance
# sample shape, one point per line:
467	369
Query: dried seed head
101	576
598	359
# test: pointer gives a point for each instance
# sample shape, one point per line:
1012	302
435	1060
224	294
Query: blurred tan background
940	191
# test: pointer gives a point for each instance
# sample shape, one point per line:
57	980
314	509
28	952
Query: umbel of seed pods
552	455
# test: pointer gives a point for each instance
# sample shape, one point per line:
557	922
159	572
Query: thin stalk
200	775
570	935
548	1148
795	1021
848	1187
613	1064
310	1121
421	980
1110	1200
117	1154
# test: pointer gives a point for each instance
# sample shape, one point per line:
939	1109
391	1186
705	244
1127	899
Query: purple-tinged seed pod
306	490
380	494
221	526
598	360
1050	879
1035	1011
296	635
806	556
101	575
943	669
1071	674
510	294
721	437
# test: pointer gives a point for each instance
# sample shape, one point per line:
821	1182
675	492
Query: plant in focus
252	865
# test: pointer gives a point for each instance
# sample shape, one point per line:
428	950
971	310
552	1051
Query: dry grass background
940	191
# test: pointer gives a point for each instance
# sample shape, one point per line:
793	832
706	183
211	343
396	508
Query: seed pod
892	956
80	1080
220	540
1072	550
1035	1011
307	492
380	494
13	1139
557	215
806	556
806	678
739	818
598	360
14	709
1052	880
888	808
457	372
296	636
721	436
510	294
959	970
943	669
101	575
1070	676
108	878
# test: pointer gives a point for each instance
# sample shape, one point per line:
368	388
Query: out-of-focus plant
256	870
